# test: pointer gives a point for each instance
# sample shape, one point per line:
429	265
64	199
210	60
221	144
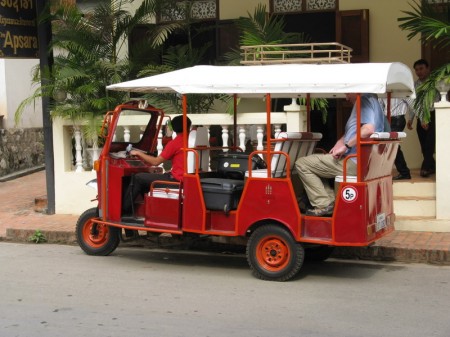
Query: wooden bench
295	145
378	154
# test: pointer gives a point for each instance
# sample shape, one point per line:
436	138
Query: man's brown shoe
326	211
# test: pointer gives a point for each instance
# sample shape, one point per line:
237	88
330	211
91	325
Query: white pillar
260	137
442	160
126	134
78	157
296	117
225	137
242	137
277	130
209	144
159	145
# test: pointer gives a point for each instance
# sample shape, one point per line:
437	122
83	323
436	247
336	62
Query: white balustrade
225	136
242	137
277	130
126	134
78	148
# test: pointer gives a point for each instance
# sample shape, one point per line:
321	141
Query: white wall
15	80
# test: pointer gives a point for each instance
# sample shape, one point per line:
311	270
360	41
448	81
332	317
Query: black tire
273	254
318	254
96	239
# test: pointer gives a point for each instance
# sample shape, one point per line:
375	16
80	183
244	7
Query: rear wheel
96	239
273	254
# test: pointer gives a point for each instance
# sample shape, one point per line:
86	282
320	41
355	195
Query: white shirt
399	106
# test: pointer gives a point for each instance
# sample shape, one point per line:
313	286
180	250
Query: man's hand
424	125
339	149
135	153
409	125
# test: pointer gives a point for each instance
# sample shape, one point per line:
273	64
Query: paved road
53	290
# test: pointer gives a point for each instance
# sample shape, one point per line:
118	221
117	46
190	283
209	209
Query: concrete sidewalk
19	220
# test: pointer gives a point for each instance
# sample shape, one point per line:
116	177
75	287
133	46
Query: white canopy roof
284	80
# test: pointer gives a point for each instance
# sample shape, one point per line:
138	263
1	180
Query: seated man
314	170
172	151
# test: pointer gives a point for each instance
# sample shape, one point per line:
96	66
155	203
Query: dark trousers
140	185
397	125
427	139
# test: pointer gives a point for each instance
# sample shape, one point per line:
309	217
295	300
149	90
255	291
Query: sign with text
18	29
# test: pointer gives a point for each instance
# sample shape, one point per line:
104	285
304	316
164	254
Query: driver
172	151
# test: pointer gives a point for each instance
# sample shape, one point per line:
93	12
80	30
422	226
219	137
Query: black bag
221	194
233	165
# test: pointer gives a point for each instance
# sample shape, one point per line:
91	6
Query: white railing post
225	137
209	144
277	130
242	137
296	117
442	111
260	137
78	147
126	134
159	145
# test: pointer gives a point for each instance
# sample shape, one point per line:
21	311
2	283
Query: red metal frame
265	200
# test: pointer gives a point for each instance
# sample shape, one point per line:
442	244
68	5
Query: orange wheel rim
273	254
95	235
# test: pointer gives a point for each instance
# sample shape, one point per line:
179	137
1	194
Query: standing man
399	108
315	170
426	131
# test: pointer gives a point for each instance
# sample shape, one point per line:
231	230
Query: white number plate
381	221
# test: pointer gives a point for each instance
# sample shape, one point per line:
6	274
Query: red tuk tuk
261	209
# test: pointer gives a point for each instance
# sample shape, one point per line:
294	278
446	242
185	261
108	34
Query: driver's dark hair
421	62
177	123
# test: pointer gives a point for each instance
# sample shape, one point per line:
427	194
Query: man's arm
340	148
154	161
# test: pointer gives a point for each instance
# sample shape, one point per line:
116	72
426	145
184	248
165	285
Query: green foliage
88	46
263	29
37	237
432	25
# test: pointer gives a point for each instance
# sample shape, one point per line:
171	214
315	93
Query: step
415	206
407	188
421	224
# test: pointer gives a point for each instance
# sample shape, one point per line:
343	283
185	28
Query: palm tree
88	46
264	29
91	53
433	26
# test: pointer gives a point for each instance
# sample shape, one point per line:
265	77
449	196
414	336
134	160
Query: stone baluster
242	137
126	134
277	130
78	148
260	137
209	137
225	136
159	144
84	153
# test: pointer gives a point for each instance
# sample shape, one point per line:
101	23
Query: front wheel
273	254
93	238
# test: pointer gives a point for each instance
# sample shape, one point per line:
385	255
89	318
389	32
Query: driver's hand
134	153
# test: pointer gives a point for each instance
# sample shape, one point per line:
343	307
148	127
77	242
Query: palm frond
426	21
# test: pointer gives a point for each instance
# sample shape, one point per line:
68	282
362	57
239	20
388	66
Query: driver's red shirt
173	152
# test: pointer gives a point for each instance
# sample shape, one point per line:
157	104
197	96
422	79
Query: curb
56	237
373	253
21	173
397	254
